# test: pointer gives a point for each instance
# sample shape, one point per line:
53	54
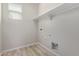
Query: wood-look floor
35	50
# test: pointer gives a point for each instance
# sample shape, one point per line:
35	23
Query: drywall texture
45	7
62	29
0	27
17	33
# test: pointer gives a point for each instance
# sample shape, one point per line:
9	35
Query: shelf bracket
51	17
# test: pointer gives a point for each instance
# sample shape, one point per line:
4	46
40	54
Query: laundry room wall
17	33
45	7
63	29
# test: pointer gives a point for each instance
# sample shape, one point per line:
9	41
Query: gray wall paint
18	33
64	30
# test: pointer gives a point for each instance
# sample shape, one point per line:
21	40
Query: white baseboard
52	52
35	43
20	47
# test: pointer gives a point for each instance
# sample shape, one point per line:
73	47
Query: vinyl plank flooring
35	50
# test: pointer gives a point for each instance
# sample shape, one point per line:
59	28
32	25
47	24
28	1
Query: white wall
0	27
64	30
17	33
45	7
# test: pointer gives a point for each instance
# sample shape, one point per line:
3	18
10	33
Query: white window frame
17	13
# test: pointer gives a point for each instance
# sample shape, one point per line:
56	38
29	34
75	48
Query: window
14	15
15	11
